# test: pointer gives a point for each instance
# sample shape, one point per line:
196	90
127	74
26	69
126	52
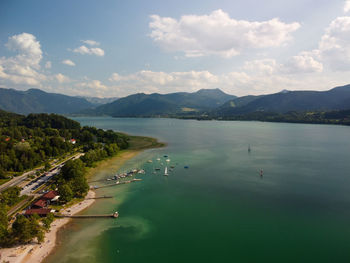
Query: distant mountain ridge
146	105
212	103
335	99
38	101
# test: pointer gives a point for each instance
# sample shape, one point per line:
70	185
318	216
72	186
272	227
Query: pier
114	215
115	184
99	197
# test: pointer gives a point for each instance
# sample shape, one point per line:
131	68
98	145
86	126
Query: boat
165	156
172	166
149	161
166	171
168	160
157	169
186	167
249	148
158	159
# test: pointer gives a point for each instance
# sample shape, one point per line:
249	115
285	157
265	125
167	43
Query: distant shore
34	252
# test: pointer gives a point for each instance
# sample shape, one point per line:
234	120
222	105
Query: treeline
28	141
341	117
325	117
23	229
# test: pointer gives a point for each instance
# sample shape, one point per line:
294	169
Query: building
42	212
50	196
41	203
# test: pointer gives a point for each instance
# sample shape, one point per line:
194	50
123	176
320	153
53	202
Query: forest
29	141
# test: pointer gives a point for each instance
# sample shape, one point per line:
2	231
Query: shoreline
34	252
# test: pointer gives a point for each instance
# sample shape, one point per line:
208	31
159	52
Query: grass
2	181
143	143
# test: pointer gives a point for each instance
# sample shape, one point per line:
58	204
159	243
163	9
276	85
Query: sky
117	48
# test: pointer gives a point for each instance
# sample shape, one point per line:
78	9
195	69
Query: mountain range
146	105
335	99
38	101
206	102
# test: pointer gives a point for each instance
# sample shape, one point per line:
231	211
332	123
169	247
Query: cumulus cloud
68	62
61	78
334	47
23	68
218	34
347	6
89	51
91	42
163	82
305	62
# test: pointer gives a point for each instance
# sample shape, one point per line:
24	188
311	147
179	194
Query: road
20	179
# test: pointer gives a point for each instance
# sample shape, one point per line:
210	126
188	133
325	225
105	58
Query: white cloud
217	34
334	47
48	65
62	78
347	6
23	68
68	62
305	62
91	42
90	51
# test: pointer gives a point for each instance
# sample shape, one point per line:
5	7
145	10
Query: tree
47	221
3	224
73	169
66	193
47	166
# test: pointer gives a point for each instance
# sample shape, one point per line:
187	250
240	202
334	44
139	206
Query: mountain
99	101
38	101
282	102
145	105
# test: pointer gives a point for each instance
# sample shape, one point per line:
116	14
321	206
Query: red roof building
50	195
41	203
41	212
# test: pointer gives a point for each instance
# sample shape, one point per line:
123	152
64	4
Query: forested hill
335	99
29	141
147	105
38	101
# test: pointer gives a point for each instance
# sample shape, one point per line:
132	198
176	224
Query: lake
220	209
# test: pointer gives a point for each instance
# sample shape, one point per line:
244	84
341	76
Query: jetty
114	215
99	197
115	184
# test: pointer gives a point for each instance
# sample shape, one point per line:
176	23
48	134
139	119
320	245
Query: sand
35	252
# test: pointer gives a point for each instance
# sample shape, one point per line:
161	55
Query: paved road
19	179
16	180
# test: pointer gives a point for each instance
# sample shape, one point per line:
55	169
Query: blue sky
117	48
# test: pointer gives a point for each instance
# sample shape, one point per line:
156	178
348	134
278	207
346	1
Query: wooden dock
115	184
114	215
99	197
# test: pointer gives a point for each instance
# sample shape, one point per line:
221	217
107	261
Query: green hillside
38	101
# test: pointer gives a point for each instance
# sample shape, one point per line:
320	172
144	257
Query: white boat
158	159
168	160
166	171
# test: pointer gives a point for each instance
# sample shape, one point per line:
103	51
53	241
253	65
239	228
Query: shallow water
221	209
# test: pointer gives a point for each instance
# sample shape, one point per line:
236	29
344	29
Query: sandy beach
35	252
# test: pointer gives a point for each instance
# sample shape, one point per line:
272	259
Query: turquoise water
220	209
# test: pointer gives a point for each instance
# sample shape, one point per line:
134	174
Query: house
50	196
7	139
42	212
72	141
41	203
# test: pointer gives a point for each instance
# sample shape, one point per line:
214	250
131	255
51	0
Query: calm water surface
220	209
